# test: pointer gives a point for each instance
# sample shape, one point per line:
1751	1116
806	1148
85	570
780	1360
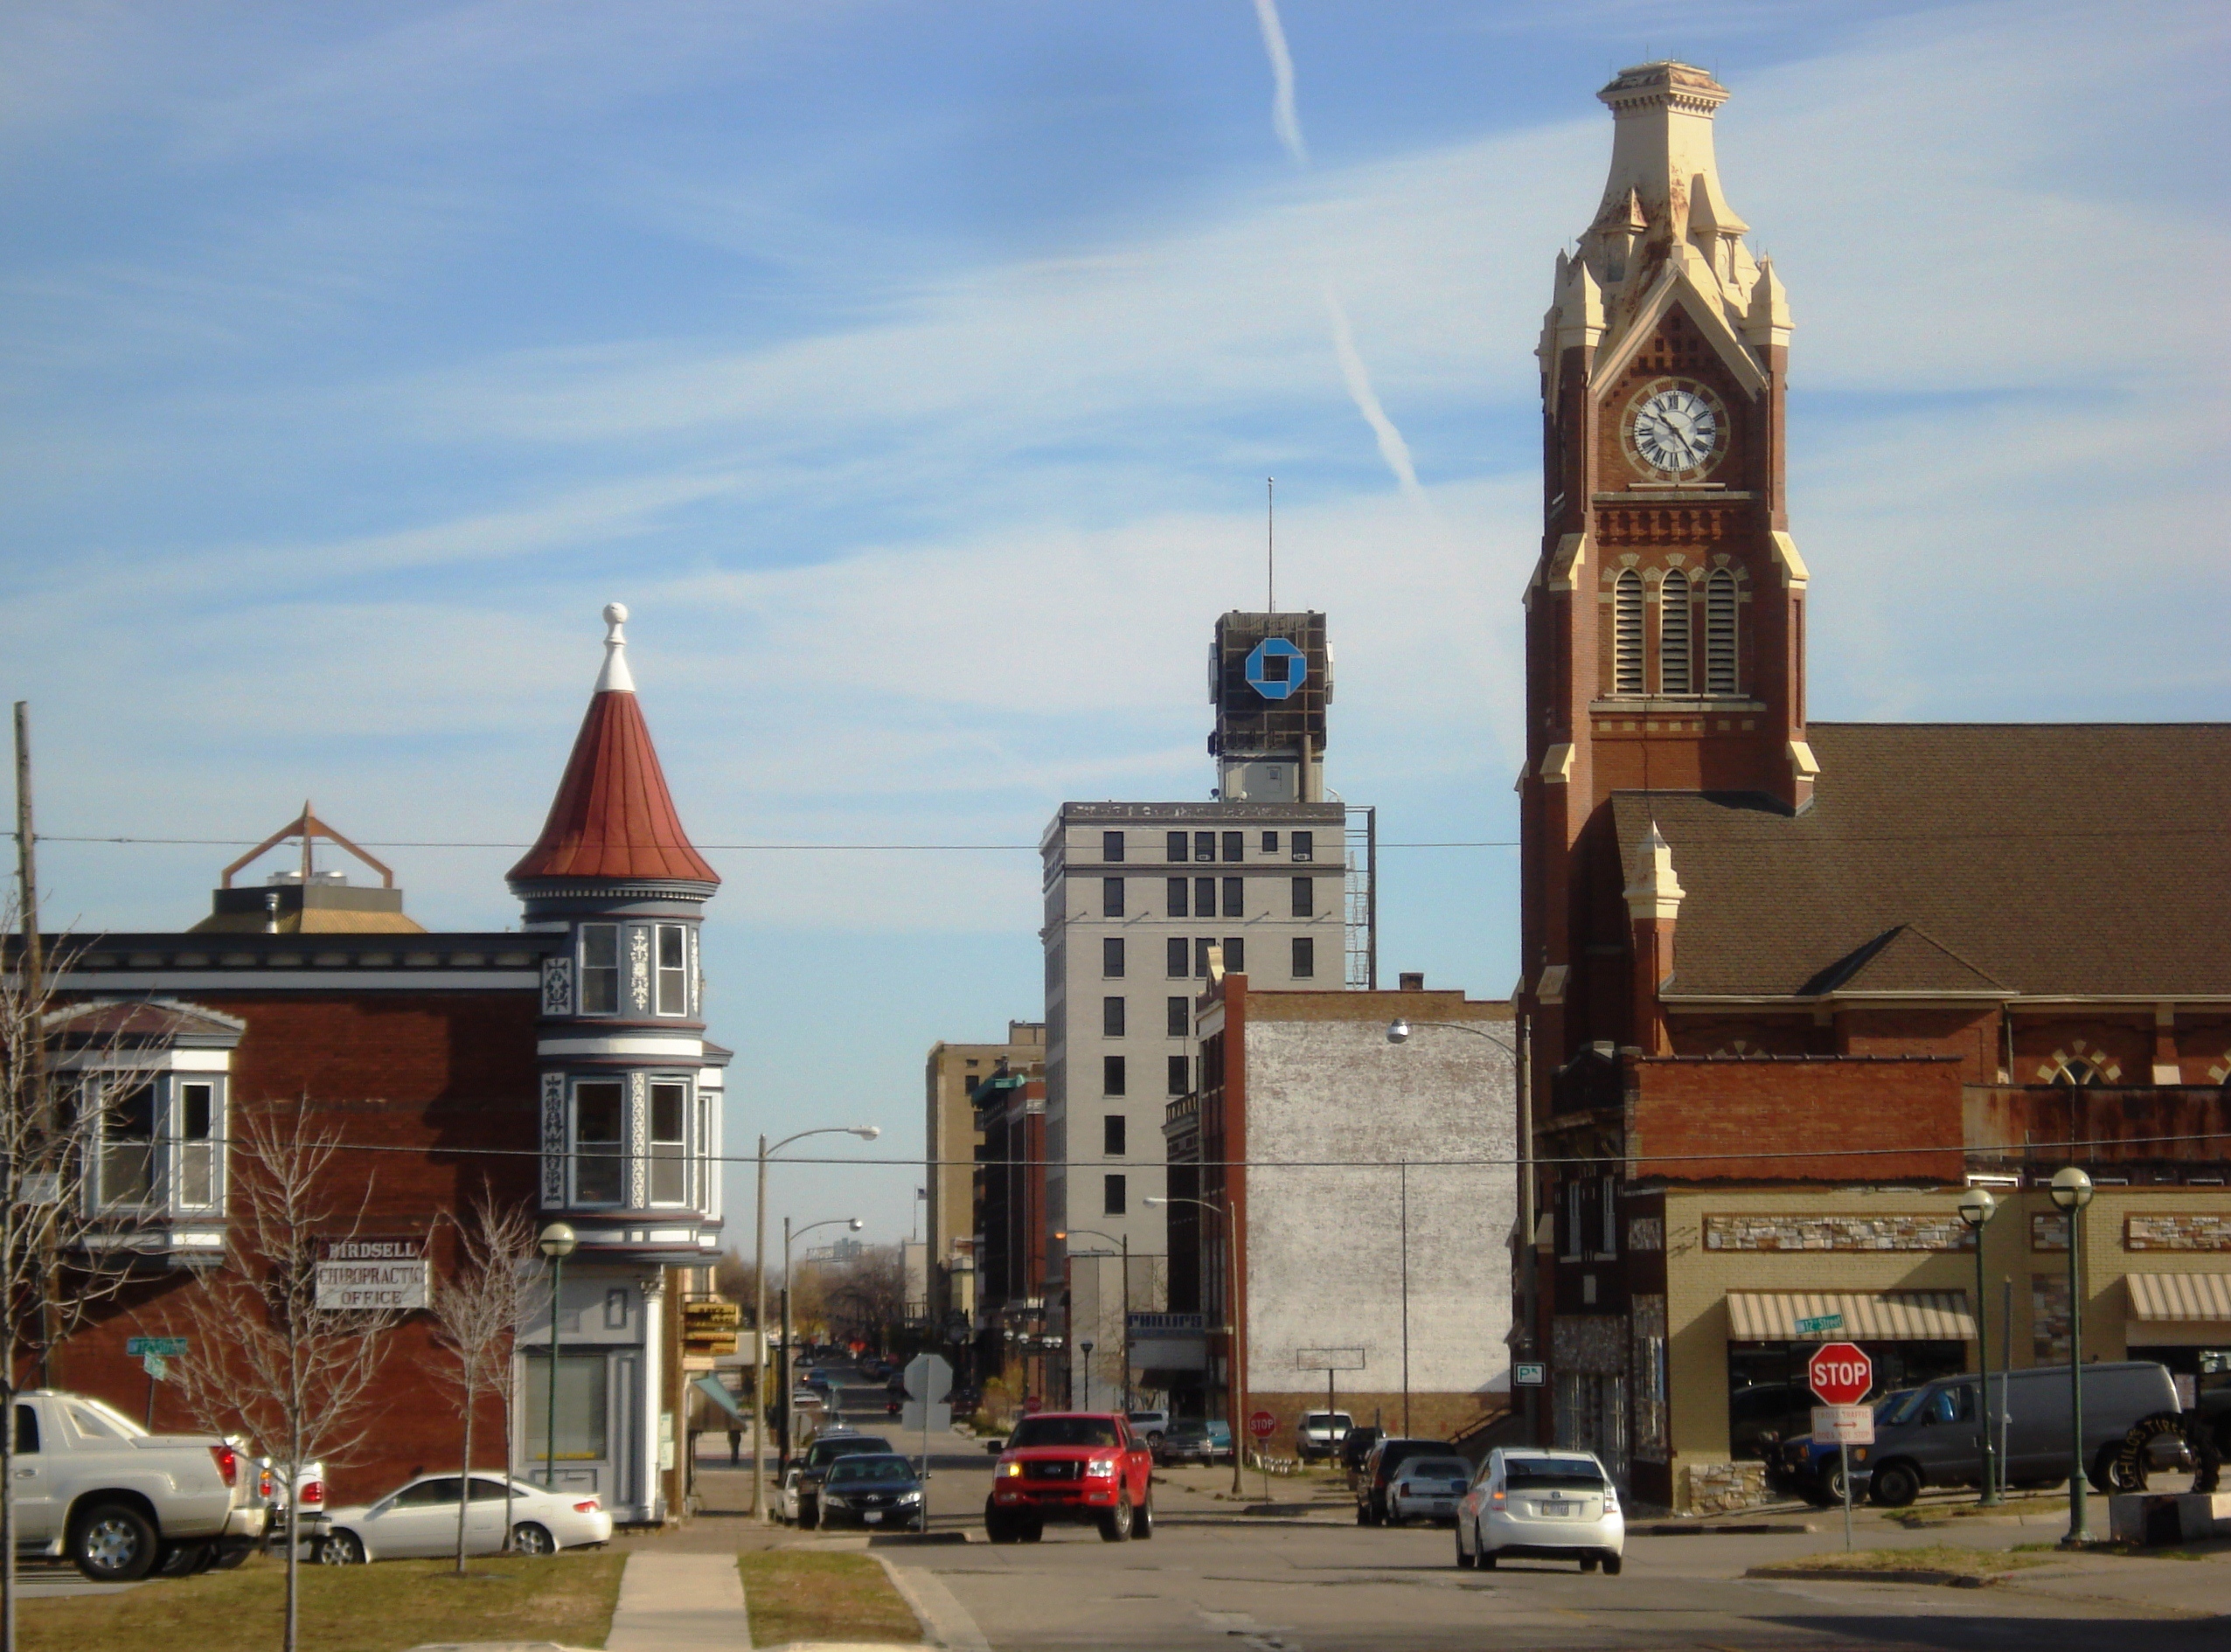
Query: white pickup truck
92	1486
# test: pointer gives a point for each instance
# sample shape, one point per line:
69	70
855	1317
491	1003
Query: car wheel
997	1528
1033	1530
1362	1516
1894	1485
1463	1559
1612	1564
1142	1522
180	1560
1832	1484
1115	1524
114	1544
1589	1562
341	1549
530	1538
1153	1440
234	1556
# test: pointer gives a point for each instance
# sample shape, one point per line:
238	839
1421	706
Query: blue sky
912	371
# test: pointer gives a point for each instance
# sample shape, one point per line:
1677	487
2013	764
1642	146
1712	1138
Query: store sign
371	1276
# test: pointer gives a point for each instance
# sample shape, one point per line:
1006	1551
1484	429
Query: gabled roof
612	817
2032	859
137	1022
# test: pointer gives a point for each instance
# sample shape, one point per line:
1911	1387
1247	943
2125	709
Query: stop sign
1840	1373
1261	1425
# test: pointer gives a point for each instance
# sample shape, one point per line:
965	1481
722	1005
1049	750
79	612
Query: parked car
1814	1469
1085	1466
1760	1417
419	1519
311	1523
825	1449
1195	1442
1355	1450
873	1489
1387	1456
1150	1426
1935	1437
93	1486
1427	1488
1319	1433
1550	1505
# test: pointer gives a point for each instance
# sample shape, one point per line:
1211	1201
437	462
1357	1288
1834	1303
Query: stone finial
615	677
1654	892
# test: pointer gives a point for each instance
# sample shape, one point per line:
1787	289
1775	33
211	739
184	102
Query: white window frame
583	967
661	1003
166	1142
653	1141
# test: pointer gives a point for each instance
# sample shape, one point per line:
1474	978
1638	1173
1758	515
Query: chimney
1411	981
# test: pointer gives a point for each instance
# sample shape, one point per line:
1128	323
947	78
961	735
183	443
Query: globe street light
557	1242
1398	1031
1232	1391
866	1133
2072	1191
1976	1208
854	1224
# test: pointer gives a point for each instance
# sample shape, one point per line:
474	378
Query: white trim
297	978
653	1044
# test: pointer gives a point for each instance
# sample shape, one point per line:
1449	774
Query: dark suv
1379	1468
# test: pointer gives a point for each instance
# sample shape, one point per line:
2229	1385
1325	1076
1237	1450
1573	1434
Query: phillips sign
1840	1373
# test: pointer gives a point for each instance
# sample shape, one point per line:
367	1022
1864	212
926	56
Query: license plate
873	1517
1555	1508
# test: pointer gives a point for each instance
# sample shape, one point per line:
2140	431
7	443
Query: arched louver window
1627	634
1673	633
1719	633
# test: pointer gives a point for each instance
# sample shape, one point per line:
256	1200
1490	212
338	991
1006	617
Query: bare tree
477	1313
864	1297
65	1075
280	1365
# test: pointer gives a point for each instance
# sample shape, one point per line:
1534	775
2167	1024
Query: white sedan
420	1520
1542	1504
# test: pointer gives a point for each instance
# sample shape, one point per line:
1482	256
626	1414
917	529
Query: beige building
950	1139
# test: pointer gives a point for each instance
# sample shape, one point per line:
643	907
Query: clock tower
1666	617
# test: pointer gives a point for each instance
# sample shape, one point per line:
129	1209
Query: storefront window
582	1391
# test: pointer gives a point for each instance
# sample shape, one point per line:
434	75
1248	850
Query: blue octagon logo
1277	670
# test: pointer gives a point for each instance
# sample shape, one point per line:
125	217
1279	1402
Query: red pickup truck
1086	1466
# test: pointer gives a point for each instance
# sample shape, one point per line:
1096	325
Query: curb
1851	1574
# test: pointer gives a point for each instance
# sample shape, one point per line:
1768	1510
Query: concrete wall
1326	1241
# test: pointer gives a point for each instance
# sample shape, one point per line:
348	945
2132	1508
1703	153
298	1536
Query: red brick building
1790	986
561	1067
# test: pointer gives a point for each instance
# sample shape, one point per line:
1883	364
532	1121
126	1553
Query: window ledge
1675	705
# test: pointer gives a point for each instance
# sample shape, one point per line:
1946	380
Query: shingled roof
1961	860
612	817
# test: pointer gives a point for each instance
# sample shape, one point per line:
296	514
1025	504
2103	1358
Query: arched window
1719	633
1627	634
2076	1073
1673	633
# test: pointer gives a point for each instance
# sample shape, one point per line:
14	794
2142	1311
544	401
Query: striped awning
2180	1295
1886	1316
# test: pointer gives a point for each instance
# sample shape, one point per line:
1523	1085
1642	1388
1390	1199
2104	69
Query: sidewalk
679	1602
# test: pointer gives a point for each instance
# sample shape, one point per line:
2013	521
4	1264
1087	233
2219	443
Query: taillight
588	1507
263	1485
313	1492
228	1463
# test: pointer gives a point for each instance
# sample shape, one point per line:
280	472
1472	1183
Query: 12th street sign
159	1347
1823	1323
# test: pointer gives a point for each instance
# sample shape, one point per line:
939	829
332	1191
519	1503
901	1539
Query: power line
245	843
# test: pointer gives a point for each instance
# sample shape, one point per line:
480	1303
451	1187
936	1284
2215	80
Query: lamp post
855	1225
556	1242
1087	1347
866	1133
1976	1208
1399	1031
1232	1397
1123	1250
2072	1191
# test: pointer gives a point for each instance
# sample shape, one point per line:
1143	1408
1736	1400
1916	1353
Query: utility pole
34	984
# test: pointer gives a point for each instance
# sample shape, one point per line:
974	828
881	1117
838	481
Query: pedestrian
735	1446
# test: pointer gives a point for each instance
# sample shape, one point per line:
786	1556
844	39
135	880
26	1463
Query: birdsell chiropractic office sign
371	1273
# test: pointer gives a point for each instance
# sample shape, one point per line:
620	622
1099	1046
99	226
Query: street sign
928	1378
1844	1425
1840	1373
912	1420
1528	1374
1261	1424
155	1365
1331	1359
1820	1324
160	1347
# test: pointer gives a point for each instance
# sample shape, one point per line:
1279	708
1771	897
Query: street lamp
855	1225
1087	1347
1398	1031
1231	1393
1122	1249
2072	1191
557	1242
1976	1208
866	1133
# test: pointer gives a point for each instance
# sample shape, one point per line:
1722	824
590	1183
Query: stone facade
1590	1342
1724	1488
1901	1231
2177	1232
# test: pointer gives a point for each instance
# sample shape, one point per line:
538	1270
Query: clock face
1677	429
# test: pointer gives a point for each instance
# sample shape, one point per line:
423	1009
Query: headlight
1101	1469
1011	1471
834	1502
911	1496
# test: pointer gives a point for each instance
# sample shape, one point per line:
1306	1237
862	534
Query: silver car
1548	1505
420	1520
1427	1488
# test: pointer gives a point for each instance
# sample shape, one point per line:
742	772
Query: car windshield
824	1451
876	1470
1327	1419
1437	1468
1897	1407
1062	1431
1552	1474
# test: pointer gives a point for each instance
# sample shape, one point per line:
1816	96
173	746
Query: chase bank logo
1277	670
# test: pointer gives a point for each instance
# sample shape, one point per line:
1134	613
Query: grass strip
386	1607
1932	1561
797	1595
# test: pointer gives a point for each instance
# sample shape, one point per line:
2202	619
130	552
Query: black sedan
875	1490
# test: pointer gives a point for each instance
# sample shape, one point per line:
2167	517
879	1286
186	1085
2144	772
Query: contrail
1283	121
1287	124
1391	447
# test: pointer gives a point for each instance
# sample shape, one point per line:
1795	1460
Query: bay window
670	1143
599	1136
673	996
600	969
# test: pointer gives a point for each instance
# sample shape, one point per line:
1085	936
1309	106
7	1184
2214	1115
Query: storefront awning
1885	1316
2180	1295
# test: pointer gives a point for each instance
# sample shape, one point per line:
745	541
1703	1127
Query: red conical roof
613	816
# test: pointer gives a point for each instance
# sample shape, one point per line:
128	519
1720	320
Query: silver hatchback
1545	1504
